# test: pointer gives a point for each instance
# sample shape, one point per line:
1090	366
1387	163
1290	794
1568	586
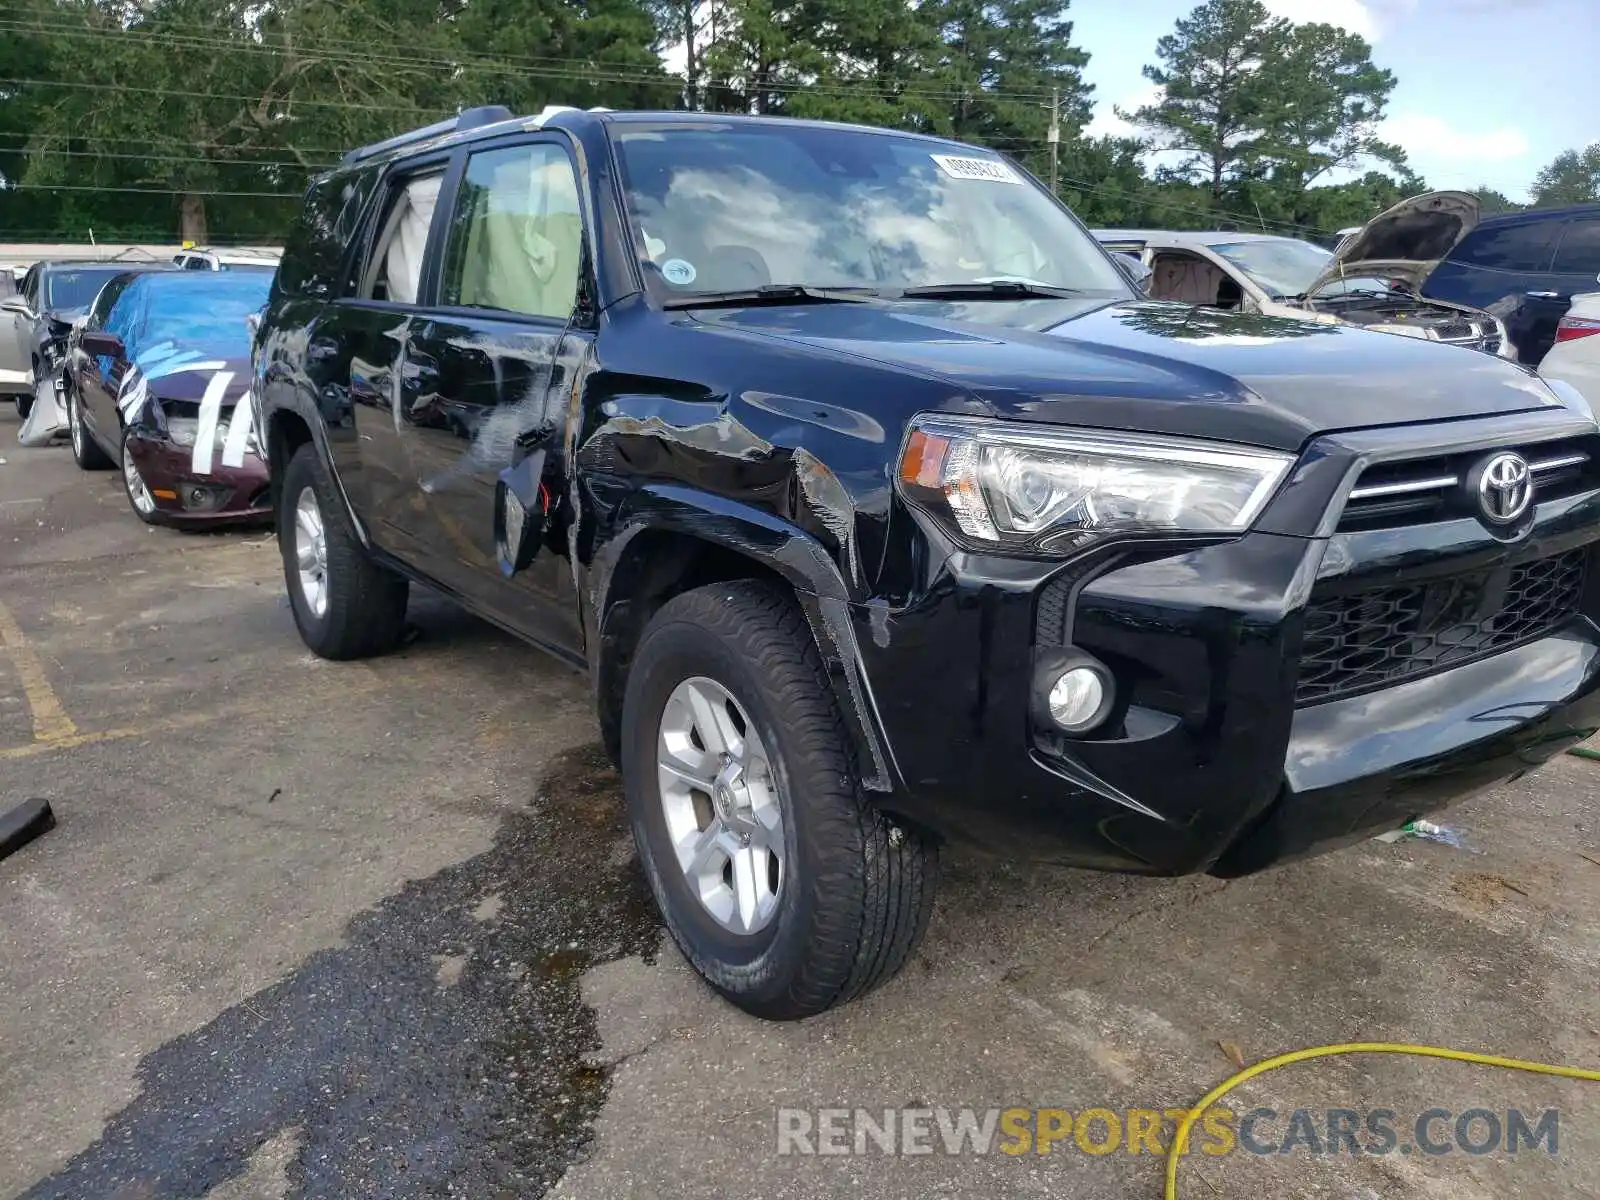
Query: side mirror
16	304
99	344
1134	270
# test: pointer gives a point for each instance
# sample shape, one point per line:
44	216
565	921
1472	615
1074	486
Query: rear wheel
785	888
345	605
85	450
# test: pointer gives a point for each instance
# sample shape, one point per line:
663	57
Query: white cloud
1430	138
1106	123
1352	15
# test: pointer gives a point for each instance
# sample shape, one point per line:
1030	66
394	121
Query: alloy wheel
138	493
311	552
724	814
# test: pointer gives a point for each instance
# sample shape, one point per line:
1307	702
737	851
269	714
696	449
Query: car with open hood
52	296
1373	279
881	510
155	376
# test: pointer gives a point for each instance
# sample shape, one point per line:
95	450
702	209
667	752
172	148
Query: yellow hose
1283	1060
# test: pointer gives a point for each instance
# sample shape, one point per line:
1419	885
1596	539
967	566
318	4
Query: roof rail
470	118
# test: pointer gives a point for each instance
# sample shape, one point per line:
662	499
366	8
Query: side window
30	287
1579	252
103	312
516	237
394	269
1524	247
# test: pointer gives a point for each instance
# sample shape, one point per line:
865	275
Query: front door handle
1544	295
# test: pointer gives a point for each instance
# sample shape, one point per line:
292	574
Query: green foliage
1572	178
154	119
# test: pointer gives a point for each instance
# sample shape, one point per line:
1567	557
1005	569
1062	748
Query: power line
89	187
585	70
148	91
173	158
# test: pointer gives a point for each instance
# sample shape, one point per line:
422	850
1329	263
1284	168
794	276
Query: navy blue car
1526	267
881	510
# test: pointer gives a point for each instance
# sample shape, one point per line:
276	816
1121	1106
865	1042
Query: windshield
724	207
77	289
199	312
1281	266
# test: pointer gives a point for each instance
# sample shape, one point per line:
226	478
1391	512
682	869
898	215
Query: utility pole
1055	137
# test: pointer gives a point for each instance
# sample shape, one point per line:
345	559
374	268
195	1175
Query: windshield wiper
991	289
772	293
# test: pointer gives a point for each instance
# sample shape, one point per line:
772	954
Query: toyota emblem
1505	488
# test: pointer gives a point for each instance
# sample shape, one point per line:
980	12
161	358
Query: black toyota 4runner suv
881	510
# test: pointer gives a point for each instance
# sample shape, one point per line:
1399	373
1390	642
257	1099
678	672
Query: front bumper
228	495
1211	762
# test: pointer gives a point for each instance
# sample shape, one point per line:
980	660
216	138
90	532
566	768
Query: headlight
184	430
1038	488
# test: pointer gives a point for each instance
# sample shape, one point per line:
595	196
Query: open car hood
1405	242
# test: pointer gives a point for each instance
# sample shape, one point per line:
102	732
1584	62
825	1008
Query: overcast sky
1489	91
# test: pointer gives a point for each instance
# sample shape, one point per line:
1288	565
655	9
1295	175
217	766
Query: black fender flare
291	399
790	553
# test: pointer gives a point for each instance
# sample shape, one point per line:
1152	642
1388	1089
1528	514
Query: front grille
1384	636
1416	490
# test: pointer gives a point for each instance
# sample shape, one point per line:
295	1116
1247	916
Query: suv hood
1149	366
1405	242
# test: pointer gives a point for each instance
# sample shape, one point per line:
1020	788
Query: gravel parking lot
375	930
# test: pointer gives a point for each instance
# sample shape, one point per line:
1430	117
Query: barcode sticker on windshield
989	170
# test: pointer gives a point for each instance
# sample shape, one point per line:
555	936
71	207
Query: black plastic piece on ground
24	823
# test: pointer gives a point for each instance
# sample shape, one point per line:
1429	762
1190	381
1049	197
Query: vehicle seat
732	268
523	263
1186	279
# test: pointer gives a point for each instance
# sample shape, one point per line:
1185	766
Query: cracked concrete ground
309	929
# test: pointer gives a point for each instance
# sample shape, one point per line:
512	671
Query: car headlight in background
1044	489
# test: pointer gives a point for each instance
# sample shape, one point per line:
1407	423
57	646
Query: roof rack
469	118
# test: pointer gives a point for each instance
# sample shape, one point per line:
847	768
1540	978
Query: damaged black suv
882	510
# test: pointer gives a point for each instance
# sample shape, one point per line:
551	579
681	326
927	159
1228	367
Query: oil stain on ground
442	1051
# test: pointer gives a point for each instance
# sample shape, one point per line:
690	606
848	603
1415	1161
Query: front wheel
786	889
86	451
345	605
139	497
24	406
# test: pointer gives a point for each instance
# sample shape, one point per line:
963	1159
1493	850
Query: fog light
1077	699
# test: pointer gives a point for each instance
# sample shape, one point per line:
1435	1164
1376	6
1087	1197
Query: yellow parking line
50	721
366	683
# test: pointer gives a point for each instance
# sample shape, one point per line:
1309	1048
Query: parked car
53	295
1575	357
154	379
192	258
881	510
1525	266
1370	280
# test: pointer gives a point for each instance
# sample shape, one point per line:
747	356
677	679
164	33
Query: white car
1373	279
194	258
1575	357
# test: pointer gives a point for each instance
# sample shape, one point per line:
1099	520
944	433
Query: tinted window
105	305
515	234
1579	252
76	288
1524	247
328	222
394	269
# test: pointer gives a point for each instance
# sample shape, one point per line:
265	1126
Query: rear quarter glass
329	219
